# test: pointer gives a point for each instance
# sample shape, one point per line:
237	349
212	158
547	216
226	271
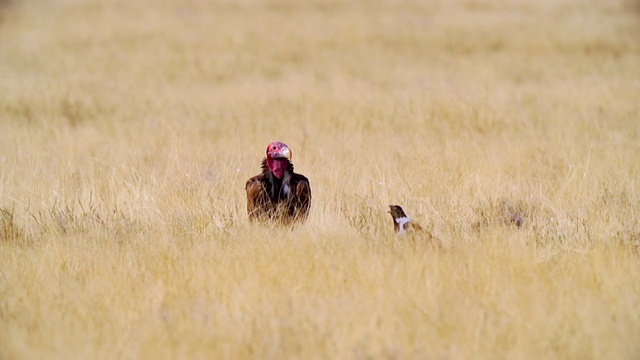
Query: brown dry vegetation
128	128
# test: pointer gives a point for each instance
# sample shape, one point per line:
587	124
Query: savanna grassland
128	129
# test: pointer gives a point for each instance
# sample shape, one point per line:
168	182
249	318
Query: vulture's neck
279	188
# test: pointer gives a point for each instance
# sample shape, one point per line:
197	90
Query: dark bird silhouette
278	194
510	215
402	225
503	212
401	222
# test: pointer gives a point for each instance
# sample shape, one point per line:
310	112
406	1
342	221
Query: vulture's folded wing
257	198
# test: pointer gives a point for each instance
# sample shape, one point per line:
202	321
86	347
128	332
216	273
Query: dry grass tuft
9	230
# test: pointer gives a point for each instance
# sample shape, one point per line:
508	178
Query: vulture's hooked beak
284	153
278	158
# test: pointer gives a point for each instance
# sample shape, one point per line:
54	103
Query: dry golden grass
128	128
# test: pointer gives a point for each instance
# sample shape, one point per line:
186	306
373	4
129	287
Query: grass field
128	129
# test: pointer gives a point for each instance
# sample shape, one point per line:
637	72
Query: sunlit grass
128	130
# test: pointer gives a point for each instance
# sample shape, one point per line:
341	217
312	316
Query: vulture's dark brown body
283	201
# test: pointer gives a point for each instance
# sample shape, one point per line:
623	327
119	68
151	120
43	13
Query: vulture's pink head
278	158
